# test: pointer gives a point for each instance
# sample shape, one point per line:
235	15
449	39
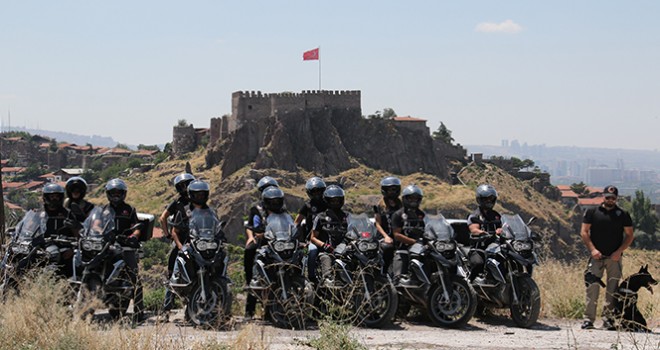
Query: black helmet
116	190
53	196
198	192
76	183
486	196
390	187
181	183
334	197
273	199
315	188
412	196
266	182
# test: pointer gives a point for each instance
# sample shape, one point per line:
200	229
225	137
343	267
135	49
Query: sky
560	73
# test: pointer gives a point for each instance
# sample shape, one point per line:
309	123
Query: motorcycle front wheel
526	311
378	310
212	311
455	311
292	312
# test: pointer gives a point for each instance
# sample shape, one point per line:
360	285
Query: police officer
314	188
75	202
481	222
58	222
125	218
329	229
178	232
407	227
390	187
254	231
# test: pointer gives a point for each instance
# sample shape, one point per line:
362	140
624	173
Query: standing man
606	231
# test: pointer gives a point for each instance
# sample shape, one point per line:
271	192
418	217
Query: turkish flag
311	55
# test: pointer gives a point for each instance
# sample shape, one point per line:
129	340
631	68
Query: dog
626	314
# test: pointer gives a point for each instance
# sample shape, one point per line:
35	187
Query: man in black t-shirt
178	210
408	228
606	231
390	187
329	229
482	223
314	187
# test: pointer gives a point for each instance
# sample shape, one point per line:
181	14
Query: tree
643	213
148	147
580	188
122	146
443	134
182	123
388	113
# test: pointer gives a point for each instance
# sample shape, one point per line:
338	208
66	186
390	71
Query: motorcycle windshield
361	225
204	224
31	226
281	225
100	221
437	226
513	227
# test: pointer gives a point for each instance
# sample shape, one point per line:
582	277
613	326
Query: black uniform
489	220
180	209
56	225
331	227
84	207
309	211
125	217
607	227
411	223
385	211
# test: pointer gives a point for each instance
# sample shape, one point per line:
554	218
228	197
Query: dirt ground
489	333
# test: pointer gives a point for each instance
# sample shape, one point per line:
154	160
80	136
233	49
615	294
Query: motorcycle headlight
444	246
89	245
21	249
521	246
367	246
280	246
206	245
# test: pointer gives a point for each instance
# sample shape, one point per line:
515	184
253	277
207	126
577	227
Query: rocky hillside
330	141
233	194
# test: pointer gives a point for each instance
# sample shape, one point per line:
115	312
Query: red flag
311	55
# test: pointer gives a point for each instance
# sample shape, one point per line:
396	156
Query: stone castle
255	106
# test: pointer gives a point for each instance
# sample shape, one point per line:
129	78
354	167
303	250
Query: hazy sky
582	73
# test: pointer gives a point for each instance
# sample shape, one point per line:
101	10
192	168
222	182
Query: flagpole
319	67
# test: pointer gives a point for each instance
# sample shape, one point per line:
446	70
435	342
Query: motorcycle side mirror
428	235
535	236
531	220
352	234
76	210
269	235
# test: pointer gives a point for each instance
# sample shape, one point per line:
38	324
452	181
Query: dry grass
563	291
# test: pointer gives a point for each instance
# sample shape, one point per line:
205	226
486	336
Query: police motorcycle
507	278
436	280
359	275
29	248
200	271
278	280
104	272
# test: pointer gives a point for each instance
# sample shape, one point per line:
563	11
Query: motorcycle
279	281
200	272
104	272
437	280
359	276
507	278
29	249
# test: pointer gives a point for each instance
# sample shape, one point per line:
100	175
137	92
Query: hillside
152	190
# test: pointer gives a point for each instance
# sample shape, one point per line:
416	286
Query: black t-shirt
385	211
607	227
411	223
84	206
309	211
331	226
125	217
178	207
489	220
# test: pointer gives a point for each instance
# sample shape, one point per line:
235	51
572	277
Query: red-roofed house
409	122
12	171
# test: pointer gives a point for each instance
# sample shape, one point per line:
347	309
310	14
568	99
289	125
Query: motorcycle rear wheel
457	311
215	311
526	312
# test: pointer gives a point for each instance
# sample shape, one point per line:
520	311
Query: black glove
132	242
328	248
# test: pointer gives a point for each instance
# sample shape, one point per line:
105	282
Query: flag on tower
311	55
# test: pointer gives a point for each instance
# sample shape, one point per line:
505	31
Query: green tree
182	123
148	147
122	146
643	213
388	113
580	188
443	134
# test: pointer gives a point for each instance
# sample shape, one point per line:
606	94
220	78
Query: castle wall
184	139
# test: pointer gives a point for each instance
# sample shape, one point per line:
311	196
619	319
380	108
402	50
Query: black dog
626	314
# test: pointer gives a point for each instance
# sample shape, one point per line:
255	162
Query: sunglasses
610	198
